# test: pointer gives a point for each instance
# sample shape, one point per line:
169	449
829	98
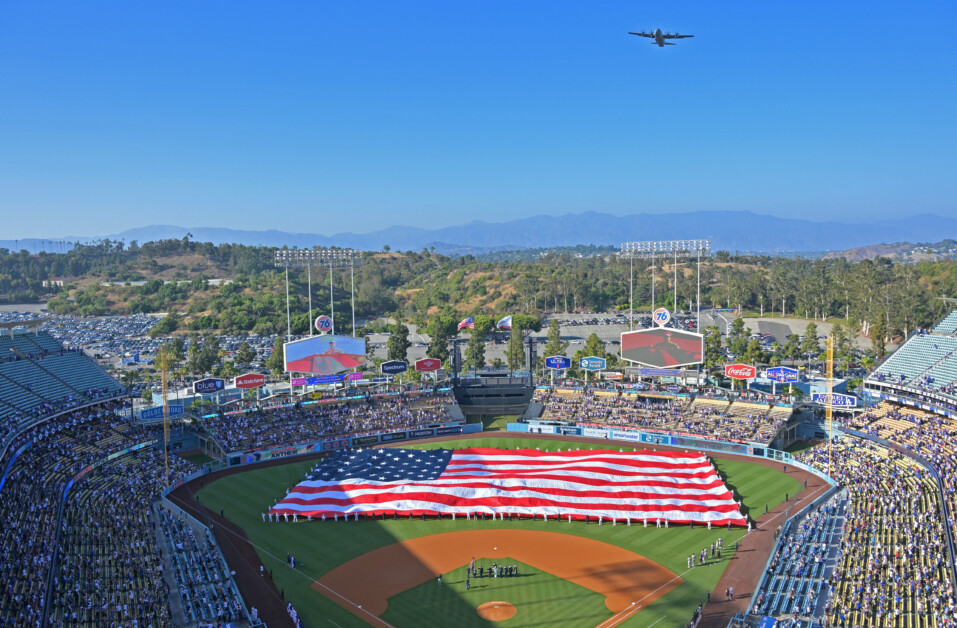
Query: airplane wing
675	36
643	34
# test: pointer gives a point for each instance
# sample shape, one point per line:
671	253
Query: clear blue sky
325	117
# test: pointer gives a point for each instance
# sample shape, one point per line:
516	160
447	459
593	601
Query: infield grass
539	598
319	546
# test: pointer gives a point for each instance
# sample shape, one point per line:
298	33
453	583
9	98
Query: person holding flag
468	322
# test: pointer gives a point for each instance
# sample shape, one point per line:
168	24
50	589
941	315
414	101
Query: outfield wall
669	439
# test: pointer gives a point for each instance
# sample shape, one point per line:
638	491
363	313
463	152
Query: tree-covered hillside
249	291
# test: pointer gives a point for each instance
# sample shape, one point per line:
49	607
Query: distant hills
735	231
902	252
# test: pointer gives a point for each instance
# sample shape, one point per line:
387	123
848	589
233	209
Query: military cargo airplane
660	37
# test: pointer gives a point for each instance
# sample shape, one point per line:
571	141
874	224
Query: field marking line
649	625
333	623
625	613
310	578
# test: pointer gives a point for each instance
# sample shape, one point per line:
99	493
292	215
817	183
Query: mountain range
735	231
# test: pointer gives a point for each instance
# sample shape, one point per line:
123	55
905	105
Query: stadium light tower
333	258
660	248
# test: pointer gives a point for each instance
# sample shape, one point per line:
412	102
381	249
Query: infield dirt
622	576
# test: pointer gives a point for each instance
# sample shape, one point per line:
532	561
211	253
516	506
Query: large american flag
674	486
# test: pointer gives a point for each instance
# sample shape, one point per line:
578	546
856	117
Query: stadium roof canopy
30	324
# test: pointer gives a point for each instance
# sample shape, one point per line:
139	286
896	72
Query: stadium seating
38	377
740	420
204	583
798	571
893	569
948	325
286	426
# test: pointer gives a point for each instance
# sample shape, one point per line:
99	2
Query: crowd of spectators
204	583
258	429
29	497
109	570
795	581
708	416
893	567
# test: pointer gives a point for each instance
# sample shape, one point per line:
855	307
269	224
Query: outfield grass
320	546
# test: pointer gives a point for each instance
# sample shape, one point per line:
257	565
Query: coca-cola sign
740	371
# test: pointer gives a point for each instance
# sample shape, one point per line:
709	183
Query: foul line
313	580
622	615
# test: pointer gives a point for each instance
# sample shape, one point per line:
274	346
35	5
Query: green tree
738	337
275	361
516	347
440	329
792	347
554	344
754	354
398	343
475	351
879	336
147	395
713	355
483	324
245	354
168	325
809	344
177	348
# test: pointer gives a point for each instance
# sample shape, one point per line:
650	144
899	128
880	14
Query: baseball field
568	574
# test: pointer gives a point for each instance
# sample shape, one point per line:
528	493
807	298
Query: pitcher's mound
496	611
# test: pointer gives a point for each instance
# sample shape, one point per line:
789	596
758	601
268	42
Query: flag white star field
669	485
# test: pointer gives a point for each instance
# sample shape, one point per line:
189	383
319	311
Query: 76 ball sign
324	324
661	316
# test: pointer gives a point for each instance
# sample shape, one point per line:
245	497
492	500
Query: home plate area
404	578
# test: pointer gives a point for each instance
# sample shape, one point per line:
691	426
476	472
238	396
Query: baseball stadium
652	497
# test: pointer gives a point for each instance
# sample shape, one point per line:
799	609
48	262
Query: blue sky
351	116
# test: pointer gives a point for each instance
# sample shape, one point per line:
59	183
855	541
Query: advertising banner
426	365
592	363
157	412
448	430
592	432
331	445
422	433
393	436
208	386
394	367
250	380
740	371
558	362
361	441
571	431
782	374
324	355
844	401
645	372
626	435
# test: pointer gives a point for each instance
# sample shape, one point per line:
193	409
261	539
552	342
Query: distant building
59	281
